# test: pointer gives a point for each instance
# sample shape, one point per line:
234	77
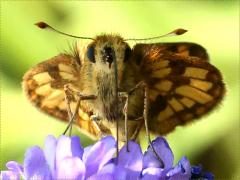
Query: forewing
184	49
44	86
181	87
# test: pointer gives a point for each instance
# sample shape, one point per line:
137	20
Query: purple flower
163	168
128	166
65	158
198	173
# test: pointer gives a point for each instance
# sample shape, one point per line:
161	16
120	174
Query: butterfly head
106	50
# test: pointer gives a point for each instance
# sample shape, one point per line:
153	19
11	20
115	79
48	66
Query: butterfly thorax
99	78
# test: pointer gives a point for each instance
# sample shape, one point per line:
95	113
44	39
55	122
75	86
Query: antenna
176	32
43	25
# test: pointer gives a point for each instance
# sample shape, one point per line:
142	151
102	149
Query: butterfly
180	85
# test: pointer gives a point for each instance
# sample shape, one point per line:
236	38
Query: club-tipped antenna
44	25
176	32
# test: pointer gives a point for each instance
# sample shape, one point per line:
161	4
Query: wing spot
187	102
194	94
161	73
164	85
203	85
55	94
42	78
175	104
183	50
67	76
160	64
65	68
194	72
44	90
54	99
165	114
83	115
62	105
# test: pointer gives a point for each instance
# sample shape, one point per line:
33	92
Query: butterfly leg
69	94
68	98
139	125
145	117
125	111
138	128
144	86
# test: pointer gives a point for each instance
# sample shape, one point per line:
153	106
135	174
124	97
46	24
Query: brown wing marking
181	88
44	85
187	49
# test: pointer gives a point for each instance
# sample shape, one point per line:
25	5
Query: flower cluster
65	158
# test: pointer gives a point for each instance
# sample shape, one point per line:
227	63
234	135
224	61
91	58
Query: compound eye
90	53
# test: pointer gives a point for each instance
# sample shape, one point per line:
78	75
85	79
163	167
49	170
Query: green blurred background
213	141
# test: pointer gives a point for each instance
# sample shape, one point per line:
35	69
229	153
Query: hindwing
183	85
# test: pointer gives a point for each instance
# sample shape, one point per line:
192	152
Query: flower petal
86	152
77	149
35	164
131	160
9	175
164	152
68	147
153	172
196	170
108	169
50	152
71	168
197	173
181	171
118	172
151	177
15	166
102	176
99	155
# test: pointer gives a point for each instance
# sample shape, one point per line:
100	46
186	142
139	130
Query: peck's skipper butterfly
181	85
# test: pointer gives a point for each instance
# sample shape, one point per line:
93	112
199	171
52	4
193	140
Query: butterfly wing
185	49
183	85
44	86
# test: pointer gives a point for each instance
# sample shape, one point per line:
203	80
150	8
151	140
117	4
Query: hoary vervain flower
65	158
